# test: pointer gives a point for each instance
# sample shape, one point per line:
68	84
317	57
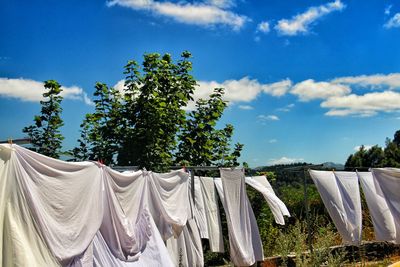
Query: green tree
200	143
100	131
45	134
392	153
155	96
374	157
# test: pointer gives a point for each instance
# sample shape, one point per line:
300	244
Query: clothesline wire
20	141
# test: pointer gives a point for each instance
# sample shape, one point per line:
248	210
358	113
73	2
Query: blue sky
306	80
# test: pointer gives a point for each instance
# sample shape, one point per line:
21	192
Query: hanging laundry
212	214
278	208
340	194
186	250
155	253
198	208
64	200
51	211
244	238
382	218
165	196
387	183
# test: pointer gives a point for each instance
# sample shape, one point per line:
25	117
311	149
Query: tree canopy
377	156
146	124
45	134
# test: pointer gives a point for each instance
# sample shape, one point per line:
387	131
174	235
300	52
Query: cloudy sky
306	80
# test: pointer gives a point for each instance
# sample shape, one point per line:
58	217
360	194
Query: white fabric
213	218
155	253
199	209
387	183
165	196
50	210
382	218
20	243
64	199
278	208
244	238
187	250
341	196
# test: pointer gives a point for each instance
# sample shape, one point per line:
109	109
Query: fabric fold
278	208
213	217
387	183
244	238
340	194
382	218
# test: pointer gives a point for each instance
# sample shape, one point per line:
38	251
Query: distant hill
332	165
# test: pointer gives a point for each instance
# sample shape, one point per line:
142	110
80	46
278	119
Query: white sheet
186	250
212	214
199	209
382	218
50	210
341	196
155	253
387	183
278	208
244	238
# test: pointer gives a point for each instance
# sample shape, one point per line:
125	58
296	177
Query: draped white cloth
382	218
340	193
278	208
54	212
212	214
155	253
244	238
199	208
387	183
186	250
165	196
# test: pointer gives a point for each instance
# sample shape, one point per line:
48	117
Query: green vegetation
145	124
376	156
45	135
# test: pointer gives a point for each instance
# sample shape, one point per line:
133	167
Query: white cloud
300	24
87	99
284	160
363	105
245	107
243	90
30	90
221	3
278	88
394	22
268	118
375	81
272	141
120	86
263	27
203	14
309	90
286	108
366	147
388	9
